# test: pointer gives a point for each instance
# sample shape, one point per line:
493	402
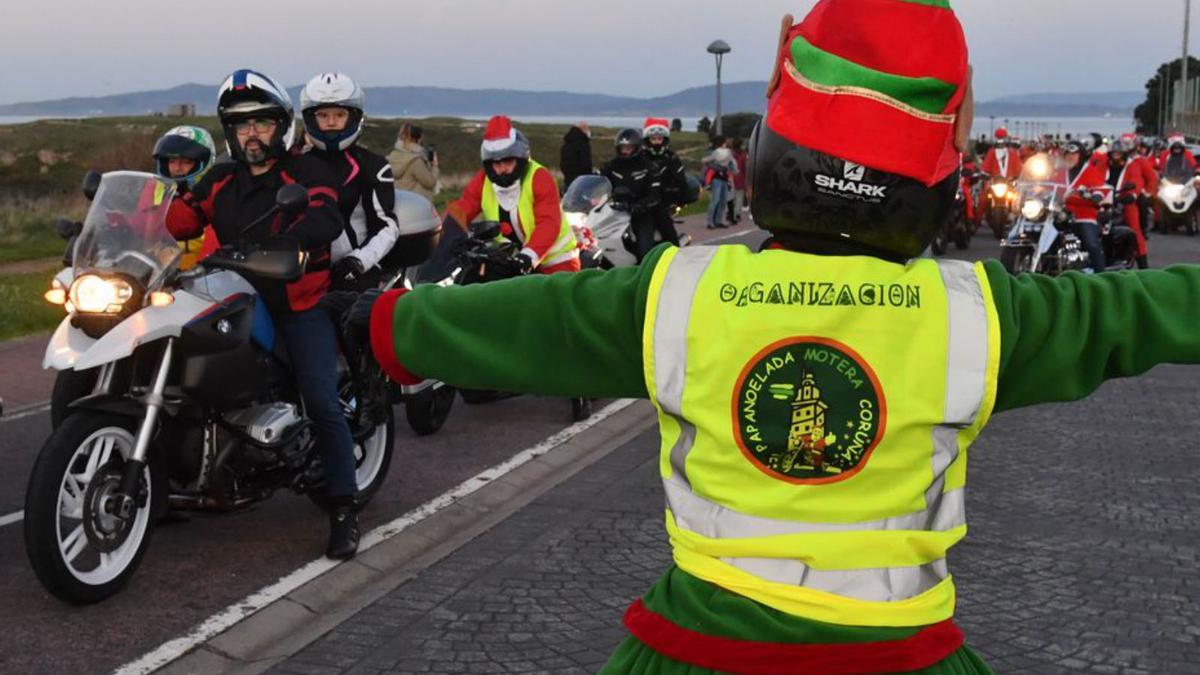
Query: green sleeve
1061	337
561	334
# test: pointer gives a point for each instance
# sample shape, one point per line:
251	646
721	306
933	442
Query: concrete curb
284	627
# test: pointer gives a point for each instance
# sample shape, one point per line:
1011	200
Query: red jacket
547	214
1093	175
992	167
1144	168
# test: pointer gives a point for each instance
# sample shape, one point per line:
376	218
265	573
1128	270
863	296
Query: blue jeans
718	195
312	345
1089	236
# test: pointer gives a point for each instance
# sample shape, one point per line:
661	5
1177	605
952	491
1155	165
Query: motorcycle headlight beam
92	293
999	190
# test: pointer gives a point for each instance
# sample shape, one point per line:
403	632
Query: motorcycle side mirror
292	199
485	230
91	184
66	228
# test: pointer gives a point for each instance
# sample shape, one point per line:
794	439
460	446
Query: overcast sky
58	48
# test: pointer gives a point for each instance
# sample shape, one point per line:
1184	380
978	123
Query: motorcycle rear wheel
67	519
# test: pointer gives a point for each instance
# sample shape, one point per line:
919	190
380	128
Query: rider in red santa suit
1002	160
1123	171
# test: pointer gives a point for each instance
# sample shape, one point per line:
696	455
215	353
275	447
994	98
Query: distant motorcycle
602	224
1178	205
998	201
956	228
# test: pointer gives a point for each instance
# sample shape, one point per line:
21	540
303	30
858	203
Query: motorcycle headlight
999	190
575	219
1033	209
92	293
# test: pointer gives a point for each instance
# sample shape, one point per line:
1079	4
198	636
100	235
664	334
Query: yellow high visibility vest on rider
565	246
815	414
189	249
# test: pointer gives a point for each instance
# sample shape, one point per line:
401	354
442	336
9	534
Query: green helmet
185	142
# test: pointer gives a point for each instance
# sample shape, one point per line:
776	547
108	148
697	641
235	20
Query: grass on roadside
27	226
23	310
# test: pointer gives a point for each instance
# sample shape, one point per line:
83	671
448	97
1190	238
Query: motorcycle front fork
126	497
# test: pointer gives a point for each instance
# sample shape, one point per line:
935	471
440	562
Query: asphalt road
200	565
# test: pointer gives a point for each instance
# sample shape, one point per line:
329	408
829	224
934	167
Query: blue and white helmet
332	90
248	94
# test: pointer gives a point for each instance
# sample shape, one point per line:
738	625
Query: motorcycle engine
270	424
1072	256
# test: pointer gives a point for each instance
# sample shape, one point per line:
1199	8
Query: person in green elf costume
814	455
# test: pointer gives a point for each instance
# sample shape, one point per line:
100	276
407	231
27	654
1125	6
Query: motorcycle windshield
125	230
586	193
1043	179
1177	169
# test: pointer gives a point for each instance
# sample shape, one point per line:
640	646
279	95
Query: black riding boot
343	529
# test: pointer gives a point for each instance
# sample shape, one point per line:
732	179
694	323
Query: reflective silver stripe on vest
883	584
965	388
670	344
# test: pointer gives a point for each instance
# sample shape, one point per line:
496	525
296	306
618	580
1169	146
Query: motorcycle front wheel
427	410
80	550
1016	260
70	386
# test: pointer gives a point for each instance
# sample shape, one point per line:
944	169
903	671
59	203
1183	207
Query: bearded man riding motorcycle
520	194
332	107
257	119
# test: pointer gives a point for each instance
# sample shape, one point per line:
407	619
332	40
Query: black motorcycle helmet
818	203
630	139
502	141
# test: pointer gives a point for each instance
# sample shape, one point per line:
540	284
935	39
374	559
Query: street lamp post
718	48
1184	99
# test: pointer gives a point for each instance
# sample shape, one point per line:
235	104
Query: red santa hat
874	82
656	125
501	139
1001	133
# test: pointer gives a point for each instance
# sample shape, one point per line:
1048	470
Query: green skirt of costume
705	608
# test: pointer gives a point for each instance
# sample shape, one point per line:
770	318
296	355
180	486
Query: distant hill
430	101
427	101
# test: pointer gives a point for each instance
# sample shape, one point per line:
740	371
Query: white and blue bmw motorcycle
194	405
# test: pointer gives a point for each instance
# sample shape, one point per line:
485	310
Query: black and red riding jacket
228	198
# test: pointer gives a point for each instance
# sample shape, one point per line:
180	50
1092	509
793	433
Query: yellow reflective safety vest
815	413
190	248
565	247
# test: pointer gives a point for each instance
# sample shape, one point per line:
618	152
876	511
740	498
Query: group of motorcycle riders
816	396
1123	173
349	227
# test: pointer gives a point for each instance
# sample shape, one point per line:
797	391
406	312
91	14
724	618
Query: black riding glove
347	272
357	320
524	263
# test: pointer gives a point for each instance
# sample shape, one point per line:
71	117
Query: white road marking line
226	618
37	409
12	518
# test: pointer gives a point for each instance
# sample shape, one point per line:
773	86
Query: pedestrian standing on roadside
415	167
575	157
719	168
737	200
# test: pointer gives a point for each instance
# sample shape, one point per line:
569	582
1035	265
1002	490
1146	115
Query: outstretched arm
563	334
1060	338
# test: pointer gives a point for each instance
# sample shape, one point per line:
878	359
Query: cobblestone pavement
1082	555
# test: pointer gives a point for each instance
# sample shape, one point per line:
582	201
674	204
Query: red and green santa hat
656	125
875	82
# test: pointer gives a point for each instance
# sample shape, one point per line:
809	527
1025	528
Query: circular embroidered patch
808	410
